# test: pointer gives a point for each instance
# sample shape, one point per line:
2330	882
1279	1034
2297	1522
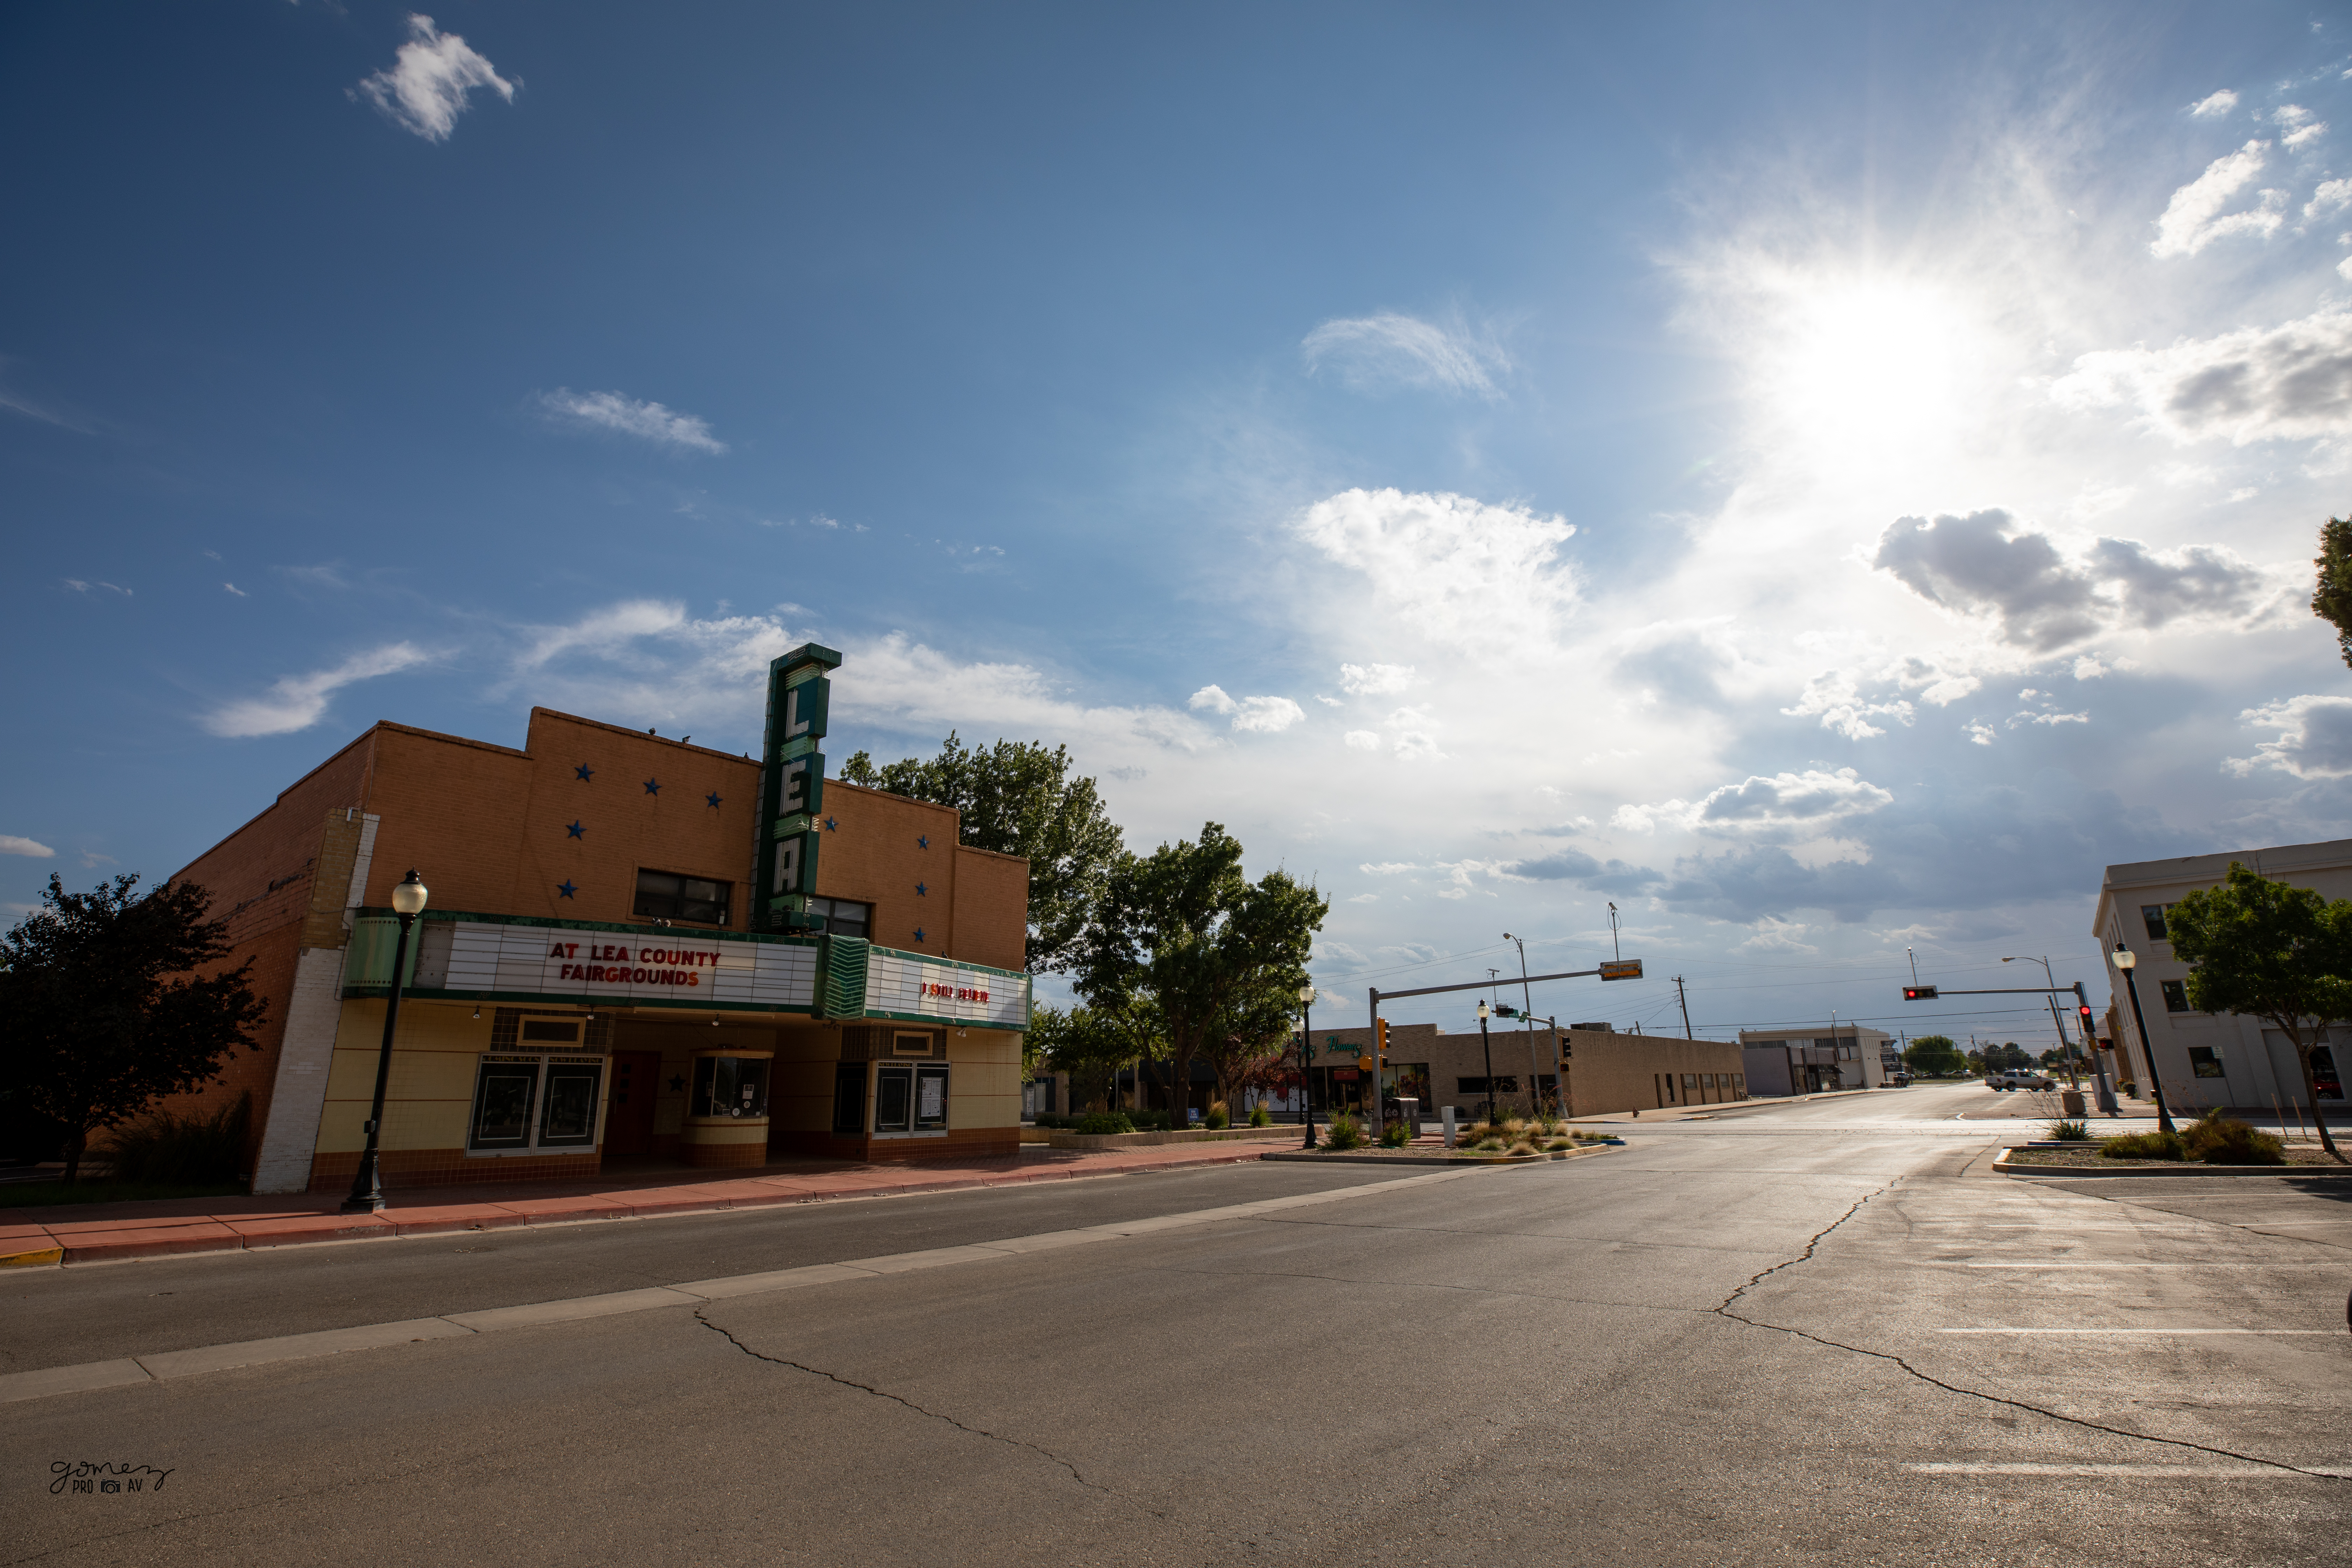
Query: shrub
2144	1146
182	1151
1396	1135
1260	1115
1558	1144
2218	1140
1104	1121
1344	1131
1218	1119
2071	1131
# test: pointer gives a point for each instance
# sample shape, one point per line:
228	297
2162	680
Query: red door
629	1125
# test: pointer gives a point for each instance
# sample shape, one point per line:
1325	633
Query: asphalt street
1798	1333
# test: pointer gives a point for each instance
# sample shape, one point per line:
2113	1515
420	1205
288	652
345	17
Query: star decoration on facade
922	891
922	842
653	787
919	934
676	1083
831	825
584	771
575	830
713	798
565	887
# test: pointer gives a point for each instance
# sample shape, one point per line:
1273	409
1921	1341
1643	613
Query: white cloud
1457	571
2287	382
2088	667
1990	564
299	702
1268	715
1413	746
628	417
78	586
2049	719
2332	195
234	589
11	844
2193	219
1394	349
1784	808
2315	738
1776	935
1214	699
424	90
2296	121
1365	899
1980	734
1374	679
2214	107
1833	696
1363	741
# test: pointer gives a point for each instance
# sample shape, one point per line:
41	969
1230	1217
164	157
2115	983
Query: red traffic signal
2085	1010
1918	994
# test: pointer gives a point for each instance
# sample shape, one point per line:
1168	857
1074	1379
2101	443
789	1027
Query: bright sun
1870	370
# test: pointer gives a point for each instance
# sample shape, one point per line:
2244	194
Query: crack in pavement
895	1399
1724	1310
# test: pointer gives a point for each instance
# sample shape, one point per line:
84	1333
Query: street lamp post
367	1190
2125	960
1306	1049
1488	1046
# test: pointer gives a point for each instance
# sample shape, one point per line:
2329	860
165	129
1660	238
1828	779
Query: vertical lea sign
791	786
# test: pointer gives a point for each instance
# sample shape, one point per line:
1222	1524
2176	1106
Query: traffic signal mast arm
1482	984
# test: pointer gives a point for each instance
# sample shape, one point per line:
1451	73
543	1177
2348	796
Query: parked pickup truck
2018	1078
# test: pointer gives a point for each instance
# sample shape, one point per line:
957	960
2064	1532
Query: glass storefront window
535	1103
894	1100
849	1099
729	1086
930	1099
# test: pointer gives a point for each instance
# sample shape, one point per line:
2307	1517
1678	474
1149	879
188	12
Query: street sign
1624	969
1365	1063
1918	994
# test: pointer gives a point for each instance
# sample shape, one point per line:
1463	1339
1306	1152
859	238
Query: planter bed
1097	1141
1431	1156
2080	1160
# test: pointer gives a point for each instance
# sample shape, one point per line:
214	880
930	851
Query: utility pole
1682	996
1527	1023
1614	950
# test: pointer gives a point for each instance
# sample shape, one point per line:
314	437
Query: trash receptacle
1408	1111
2070	1101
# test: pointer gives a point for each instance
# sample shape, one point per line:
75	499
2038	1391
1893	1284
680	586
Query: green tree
2269	951
2331	600
1934	1055
100	1012
1184	929
1018	798
1256	1034
1090	1044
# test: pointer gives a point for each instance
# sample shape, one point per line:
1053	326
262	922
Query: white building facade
1813	1058
2206	1059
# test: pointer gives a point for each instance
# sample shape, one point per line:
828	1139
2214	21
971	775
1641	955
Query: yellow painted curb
45	1258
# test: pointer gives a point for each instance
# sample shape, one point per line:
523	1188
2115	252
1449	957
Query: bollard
1446	1117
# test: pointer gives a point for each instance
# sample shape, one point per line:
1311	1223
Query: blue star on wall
653	787
713	798
831	825
575	830
565	887
919	934
922	842
922	891
584	771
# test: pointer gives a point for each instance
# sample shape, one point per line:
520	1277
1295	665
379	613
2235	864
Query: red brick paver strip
104	1232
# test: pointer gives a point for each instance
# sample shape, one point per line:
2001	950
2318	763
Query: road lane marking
2069	1263
2166	1332
2146	1331
2249	1472
88	1376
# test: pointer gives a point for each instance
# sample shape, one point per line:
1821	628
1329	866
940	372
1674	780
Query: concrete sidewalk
95	1233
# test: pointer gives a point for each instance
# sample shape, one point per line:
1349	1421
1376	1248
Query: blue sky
1828	479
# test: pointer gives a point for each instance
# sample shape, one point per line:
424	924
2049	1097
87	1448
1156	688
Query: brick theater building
634	947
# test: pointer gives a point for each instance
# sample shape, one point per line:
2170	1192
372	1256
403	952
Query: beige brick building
1606	1072
594	979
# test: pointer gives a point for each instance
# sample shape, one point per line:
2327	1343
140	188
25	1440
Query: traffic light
1381	1037
1918	994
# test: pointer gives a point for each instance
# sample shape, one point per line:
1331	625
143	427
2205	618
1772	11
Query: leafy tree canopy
100	1012
1018	798
2332	600
1935	1053
2268	951
1091	1044
1215	954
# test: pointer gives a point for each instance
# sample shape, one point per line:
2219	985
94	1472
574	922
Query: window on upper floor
2176	996
668	896
842	918
2152	916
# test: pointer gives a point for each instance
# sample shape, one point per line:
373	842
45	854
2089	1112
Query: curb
2008	1167
1460	1161
208	1235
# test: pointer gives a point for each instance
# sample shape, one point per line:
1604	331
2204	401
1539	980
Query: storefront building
635	947
1815	1058
1607	1071
2209	1059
